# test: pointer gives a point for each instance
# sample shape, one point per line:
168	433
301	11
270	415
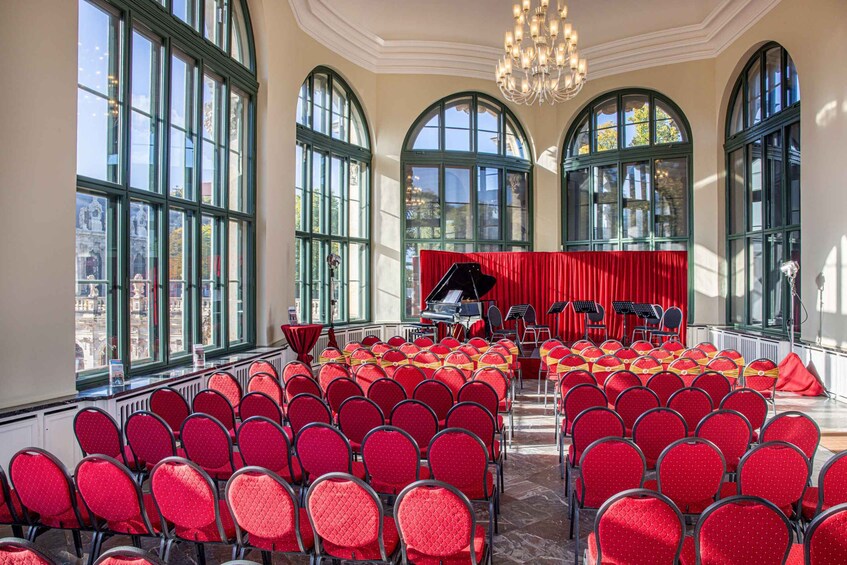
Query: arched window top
471	123
625	120
767	86
242	36
327	105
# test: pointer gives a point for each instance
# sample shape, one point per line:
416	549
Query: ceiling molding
705	40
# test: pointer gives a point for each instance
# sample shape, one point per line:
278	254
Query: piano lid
466	277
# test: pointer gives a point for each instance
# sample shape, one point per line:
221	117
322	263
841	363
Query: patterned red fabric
365	375
396	341
387	393
572	379
589	426
409	377
423	342
730	431
208	444
260	404
11	510
267	384
498	381
216	405
827	540
417	419
323	449
331	371
761	375
795	428
690	473
641	347
477	420
171	406
693	403
110	492
410	349
750	403
637	529
674	347
688	369
460	459
742	531
611	346
332	354
339	390
657	429
695	354
392	460
608	467
633	402
663	356
436	395
462	361
715	384
579	398
294	368
665	384
428	362
708	348
227	385
12	553
361	356
451	376
98	433
346	516
775	471
450	342
352	346
263	443
581	344
591	353
380	348
726	367
627	355
482	393
356	417
301	384
645	367
618	382
262	366
605	366
834	481
149	437
305	409
43	485
302	339
392	359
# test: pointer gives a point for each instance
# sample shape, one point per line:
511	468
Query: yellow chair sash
772	373
462	366
645	370
611	369
354	362
322	359
692	371
730	373
431	365
568	368
385	363
505	367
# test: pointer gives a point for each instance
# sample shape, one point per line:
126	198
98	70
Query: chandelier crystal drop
541	62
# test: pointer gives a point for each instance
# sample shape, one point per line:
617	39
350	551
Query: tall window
165	184
468	178
763	190
627	175
332	202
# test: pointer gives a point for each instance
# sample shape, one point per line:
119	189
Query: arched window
332	201
468	184
165	181
763	190
627	175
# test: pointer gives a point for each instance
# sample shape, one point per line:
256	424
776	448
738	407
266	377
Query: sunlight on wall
826	114
549	159
706	279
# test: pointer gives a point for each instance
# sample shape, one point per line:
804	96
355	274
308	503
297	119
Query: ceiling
464	37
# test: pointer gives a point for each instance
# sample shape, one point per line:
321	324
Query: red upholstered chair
627	355
478	420
693	403
262	366
715	384
761	375
500	383
461	361
619	382
392	359
611	346
695	354
750	403
708	348
480	343
128	555
349	348
831	490
111	493
436	523
188	501
214	404
825	540
589	426
322	449
665	384
663	356
423	342
380	348
544	350
208	444
636	526
566	383
607	467
795	428
17	551
356	417
688	369
264	443
365	375
266	514
459	458
581	344
295	368
655	430
331	371
268	384
301	384
227	385
428	362
369	340
260	404
730	431
305	409
471	351
579	398
690	472
641	347
361	356
742	529
171	406
11	512
453	377
674	347
645	367
387	393
331	355
633	402
483	393
734	355
726	367
440	350
98	433
409	377
47	494
569	362
437	396
396	341
410	349
417	419
149	438
340	390
349	522
392	460
605	366
591	355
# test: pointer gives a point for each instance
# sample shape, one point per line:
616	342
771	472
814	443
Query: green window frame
332	202
165	254
467	167
763	163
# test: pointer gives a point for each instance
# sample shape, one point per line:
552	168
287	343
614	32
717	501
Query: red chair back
461	361
641	347
322	449
208	444
171	406
750	403
761	375
216	405
301	384
581	344
633	402
496	378
605	366
832	482
266	384
730	431
663	356
15	551
331	371
410	349
436	395
396	341
619	382
392	459
263	443
690	472
734	355
482	393
645	367
98	433
708	348
459	458
476	419
479	343
451	376
350	347
450	342
387	393
331	355
149	437
726	367
44	487
665	384
609	466
776	471
590	425
440	351
428	362
496	360
695	354
409	377
362	356
611	346
417	419
795	428
572	378
369	340
687	369
825	540
366	375
260	404
627	355
715	384
295	368
579	398
392	359
356	417
561	361
380	348
423	342
655	430
262	366
694	405
228	386
340	390
121	504
307	409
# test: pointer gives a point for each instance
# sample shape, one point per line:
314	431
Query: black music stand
517	313
555	310
645	312
623	308
584	307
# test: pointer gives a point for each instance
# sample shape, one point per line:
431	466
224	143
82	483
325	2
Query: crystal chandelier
545	66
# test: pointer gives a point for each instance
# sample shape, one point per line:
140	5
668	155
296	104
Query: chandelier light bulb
573	38
516	52
554	28
510	40
563	12
533	29
568	31
545	4
507	66
526	6
560	58
542	58
525	86
518	34
516	11
583	67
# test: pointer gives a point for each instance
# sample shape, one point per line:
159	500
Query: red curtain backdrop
541	278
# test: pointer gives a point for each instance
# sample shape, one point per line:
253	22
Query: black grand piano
457	298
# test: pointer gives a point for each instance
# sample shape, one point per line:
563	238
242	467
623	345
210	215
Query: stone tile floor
533	521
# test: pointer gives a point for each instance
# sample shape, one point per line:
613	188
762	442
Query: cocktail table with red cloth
302	338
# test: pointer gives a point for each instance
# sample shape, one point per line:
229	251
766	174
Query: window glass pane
738	281
756	274
304	105
736	120
775	282
338	193
488	203
183	136
412	273
458	215
238	164
606	125
210	285
773	81
737	193
358	208
143	281
773	146
515	143
213	142
319	252
792	95
636	120
96	257
338	283
606	202
794	255
240	41
215	18
179	274
423	209
99	104
671	246
794	174
459	247
644	246
578	205
426	135
320	167
669	127
301	255
358	130
340	113
237	280
301	167
145	117
320	113
606	247
580	145
754	93
671	197
357	275
579	248
186	10
754	205
488	128
636	198
457	125
517	207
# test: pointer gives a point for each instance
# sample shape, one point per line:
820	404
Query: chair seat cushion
684	507
287	544
359	470
6	513
505	405
390	537
810	503
476	491
292	474
180	452
687	556
67	520
418	557
392	487
209	532
795	555
225	472
135	525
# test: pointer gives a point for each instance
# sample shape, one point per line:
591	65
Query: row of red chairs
17	551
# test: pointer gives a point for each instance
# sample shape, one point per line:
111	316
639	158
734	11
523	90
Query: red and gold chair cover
580	345
396	341
410	349
481	344
591	354
688	369
450	342
349	348
674	347
641	347
380	348
392	359
611	346
361	356
725	366
605	366
427	361
461	361
331	355
370	340
734	355
663	356
708	348
553	358
496	360
440	350
695	354
627	355
645	367
470	351
761	376
423	342
544	350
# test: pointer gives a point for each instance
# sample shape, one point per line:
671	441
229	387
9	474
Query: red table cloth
302	339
